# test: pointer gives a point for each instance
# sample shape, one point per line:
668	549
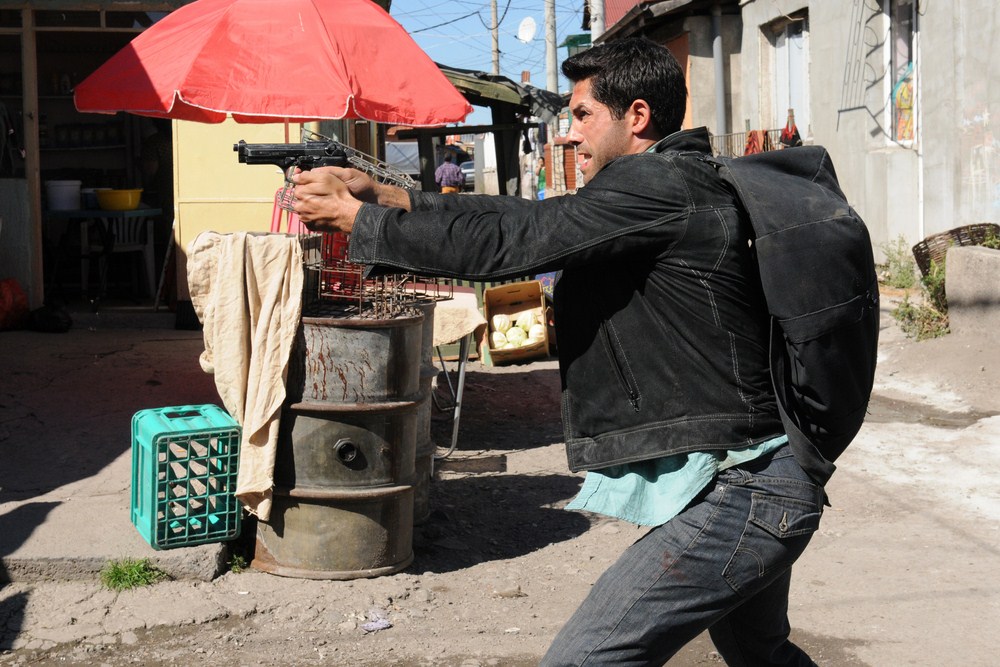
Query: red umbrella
263	61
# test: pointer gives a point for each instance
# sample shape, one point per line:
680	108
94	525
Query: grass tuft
237	564
120	575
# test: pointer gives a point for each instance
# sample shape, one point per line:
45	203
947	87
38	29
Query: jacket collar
685	140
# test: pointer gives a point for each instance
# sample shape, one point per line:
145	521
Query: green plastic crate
184	464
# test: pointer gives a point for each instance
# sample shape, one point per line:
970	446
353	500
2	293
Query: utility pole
554	169
720	70
496	38
551	66
596	19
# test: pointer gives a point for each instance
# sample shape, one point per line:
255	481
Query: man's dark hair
632	69
448	157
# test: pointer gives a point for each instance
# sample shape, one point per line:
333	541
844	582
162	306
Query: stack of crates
184	465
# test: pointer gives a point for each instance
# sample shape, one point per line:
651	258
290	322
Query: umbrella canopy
262	61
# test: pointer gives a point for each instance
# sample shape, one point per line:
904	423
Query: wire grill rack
337	287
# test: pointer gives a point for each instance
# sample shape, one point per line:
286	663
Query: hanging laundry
755	142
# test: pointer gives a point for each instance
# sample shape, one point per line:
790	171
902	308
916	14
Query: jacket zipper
633	394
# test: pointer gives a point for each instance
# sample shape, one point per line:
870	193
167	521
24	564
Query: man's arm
483	237
390	195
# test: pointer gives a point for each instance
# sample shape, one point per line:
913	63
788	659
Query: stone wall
972	284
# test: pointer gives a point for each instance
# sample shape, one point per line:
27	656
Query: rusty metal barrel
344	469
424	463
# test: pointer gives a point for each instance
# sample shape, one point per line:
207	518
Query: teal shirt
650	493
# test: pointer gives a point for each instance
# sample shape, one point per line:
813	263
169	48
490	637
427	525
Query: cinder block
972	286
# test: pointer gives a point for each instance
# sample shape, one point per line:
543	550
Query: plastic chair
132	235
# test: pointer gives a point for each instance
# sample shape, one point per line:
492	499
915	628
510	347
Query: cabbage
516	336
498	339
501	323
526	318
537	331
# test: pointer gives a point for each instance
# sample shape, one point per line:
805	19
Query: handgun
305	156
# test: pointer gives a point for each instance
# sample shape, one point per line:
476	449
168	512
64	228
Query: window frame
902	81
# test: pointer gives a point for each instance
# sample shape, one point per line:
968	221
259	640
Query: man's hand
367	189
324	200
360	184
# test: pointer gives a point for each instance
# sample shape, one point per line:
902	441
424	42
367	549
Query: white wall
950	175
486	151
961	113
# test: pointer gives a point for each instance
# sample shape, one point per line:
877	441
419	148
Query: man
449	176
663	354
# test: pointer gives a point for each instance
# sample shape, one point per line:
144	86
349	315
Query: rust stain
344	383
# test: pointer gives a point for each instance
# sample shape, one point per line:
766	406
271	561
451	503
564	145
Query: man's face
598	137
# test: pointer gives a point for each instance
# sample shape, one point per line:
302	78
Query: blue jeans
723	564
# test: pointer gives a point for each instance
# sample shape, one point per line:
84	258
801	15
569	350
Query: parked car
469	170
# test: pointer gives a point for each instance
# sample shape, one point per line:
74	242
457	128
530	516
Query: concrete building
901	92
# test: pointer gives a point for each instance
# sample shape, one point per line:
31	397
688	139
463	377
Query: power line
461	47
413	32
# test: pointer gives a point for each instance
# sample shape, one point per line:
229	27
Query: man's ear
641	117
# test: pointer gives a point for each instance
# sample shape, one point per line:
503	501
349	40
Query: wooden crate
511	299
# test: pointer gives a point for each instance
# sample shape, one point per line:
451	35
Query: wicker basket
934	248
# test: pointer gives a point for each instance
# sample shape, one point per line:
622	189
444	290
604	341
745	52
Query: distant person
541	177
448	176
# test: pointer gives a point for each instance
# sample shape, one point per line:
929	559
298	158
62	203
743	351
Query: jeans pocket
776	534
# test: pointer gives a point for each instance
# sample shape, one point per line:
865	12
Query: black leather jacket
660	318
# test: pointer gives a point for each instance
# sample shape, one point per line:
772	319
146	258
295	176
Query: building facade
902	93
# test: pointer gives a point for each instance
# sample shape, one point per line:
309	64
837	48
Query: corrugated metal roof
639	15
615	9
482	89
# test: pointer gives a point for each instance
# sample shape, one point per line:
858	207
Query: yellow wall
213	191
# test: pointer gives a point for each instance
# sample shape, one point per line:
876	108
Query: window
903	97
65	19
10	18
140	20
789	41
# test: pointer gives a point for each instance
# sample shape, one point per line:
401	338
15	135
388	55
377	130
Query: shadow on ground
481	519
502	411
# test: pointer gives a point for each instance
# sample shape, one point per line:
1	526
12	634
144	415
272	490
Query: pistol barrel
305	155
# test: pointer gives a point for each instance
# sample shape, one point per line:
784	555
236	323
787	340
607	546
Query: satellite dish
526	31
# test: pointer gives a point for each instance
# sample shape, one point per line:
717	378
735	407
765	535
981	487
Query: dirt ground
902	571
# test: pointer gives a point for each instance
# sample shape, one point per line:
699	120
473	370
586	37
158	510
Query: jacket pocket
619	364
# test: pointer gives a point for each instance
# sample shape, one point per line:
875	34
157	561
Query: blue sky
457	33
